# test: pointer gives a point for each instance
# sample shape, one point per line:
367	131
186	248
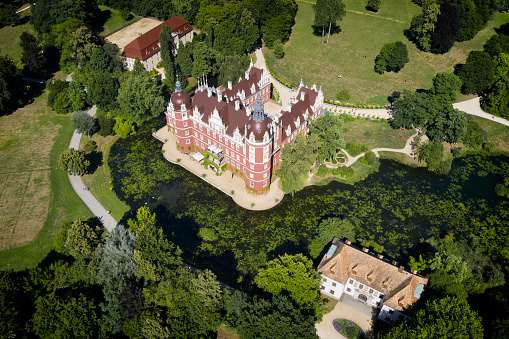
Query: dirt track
131	32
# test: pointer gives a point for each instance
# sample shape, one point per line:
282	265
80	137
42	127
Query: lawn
114	21
498	134
351	52
375	134
99	181
37	196
9	39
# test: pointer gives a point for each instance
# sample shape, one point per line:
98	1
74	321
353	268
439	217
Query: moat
394	208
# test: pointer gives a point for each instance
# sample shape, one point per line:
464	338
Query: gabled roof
136	47
298	108
399	286
255	75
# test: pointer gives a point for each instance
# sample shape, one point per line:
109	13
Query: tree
73	161
82	44
296	161
373	5
329	229
294	275
83	122
343	95
398	57
474	136
329	128
328	12
76	95
183	60
139	99
154	254
32	55
278	318
431	153
443	318
496	100
446	29
62	104
445	87
477	73
124	128
423	24
99	62
82	239
206	60
392	57
102	90
167	56
11	86
69	317
496	44
8	15
138	68
232	68
116	271
279	51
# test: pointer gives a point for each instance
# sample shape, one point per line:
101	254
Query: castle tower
177	117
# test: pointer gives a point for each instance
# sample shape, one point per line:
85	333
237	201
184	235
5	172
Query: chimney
348	242
401	269
413	271
379	256
289	106
302	94
247	75
229	85
209	92
237	105
219	95
248	111
395	263
365	250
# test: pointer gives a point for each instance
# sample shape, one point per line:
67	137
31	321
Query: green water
395	207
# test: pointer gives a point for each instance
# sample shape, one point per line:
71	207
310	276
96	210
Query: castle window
197	143
348	289
265	175
185	123
251	175
265	166
187	132
233	163
238	166
227	160
194	123
251	184
333	284
251	166
195	134
265	183
226	141
200	128
331	292
188	141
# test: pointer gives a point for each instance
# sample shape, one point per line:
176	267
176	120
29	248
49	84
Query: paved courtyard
350	309
131	32
224	182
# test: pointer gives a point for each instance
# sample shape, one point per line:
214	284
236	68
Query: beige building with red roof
371	279
147	48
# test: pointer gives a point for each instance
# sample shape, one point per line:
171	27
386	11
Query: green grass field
49	134
9	40
351	52
375	134
114	20
498	134
99	181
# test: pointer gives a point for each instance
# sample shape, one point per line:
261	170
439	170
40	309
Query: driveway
349	309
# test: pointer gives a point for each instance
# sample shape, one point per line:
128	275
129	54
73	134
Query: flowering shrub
348	328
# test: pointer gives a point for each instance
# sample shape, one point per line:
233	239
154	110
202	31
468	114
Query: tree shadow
96	160
288	247
504	29
100	20
319	30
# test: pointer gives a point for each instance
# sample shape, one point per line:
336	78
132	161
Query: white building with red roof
147	48
232	128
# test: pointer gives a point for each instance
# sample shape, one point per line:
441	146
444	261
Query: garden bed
348	328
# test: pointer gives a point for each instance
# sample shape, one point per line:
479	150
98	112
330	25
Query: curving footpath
473	107
85	195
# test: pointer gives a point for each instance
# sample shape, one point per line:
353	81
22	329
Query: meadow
351	52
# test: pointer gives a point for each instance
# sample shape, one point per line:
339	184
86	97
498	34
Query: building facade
147	48
371	279
232	128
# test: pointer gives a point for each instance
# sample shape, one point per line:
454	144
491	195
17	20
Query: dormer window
355	268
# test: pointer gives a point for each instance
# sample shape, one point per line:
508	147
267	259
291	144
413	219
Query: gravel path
85	195
473	107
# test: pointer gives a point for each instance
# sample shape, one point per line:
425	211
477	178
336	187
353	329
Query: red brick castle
233	131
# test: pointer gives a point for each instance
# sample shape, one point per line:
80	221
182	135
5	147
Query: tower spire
178	85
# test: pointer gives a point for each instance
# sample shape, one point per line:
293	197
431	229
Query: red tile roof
148	42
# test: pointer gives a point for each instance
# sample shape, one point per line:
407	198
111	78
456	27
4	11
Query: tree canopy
328	12
73	161
294	275
329	129
444	318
